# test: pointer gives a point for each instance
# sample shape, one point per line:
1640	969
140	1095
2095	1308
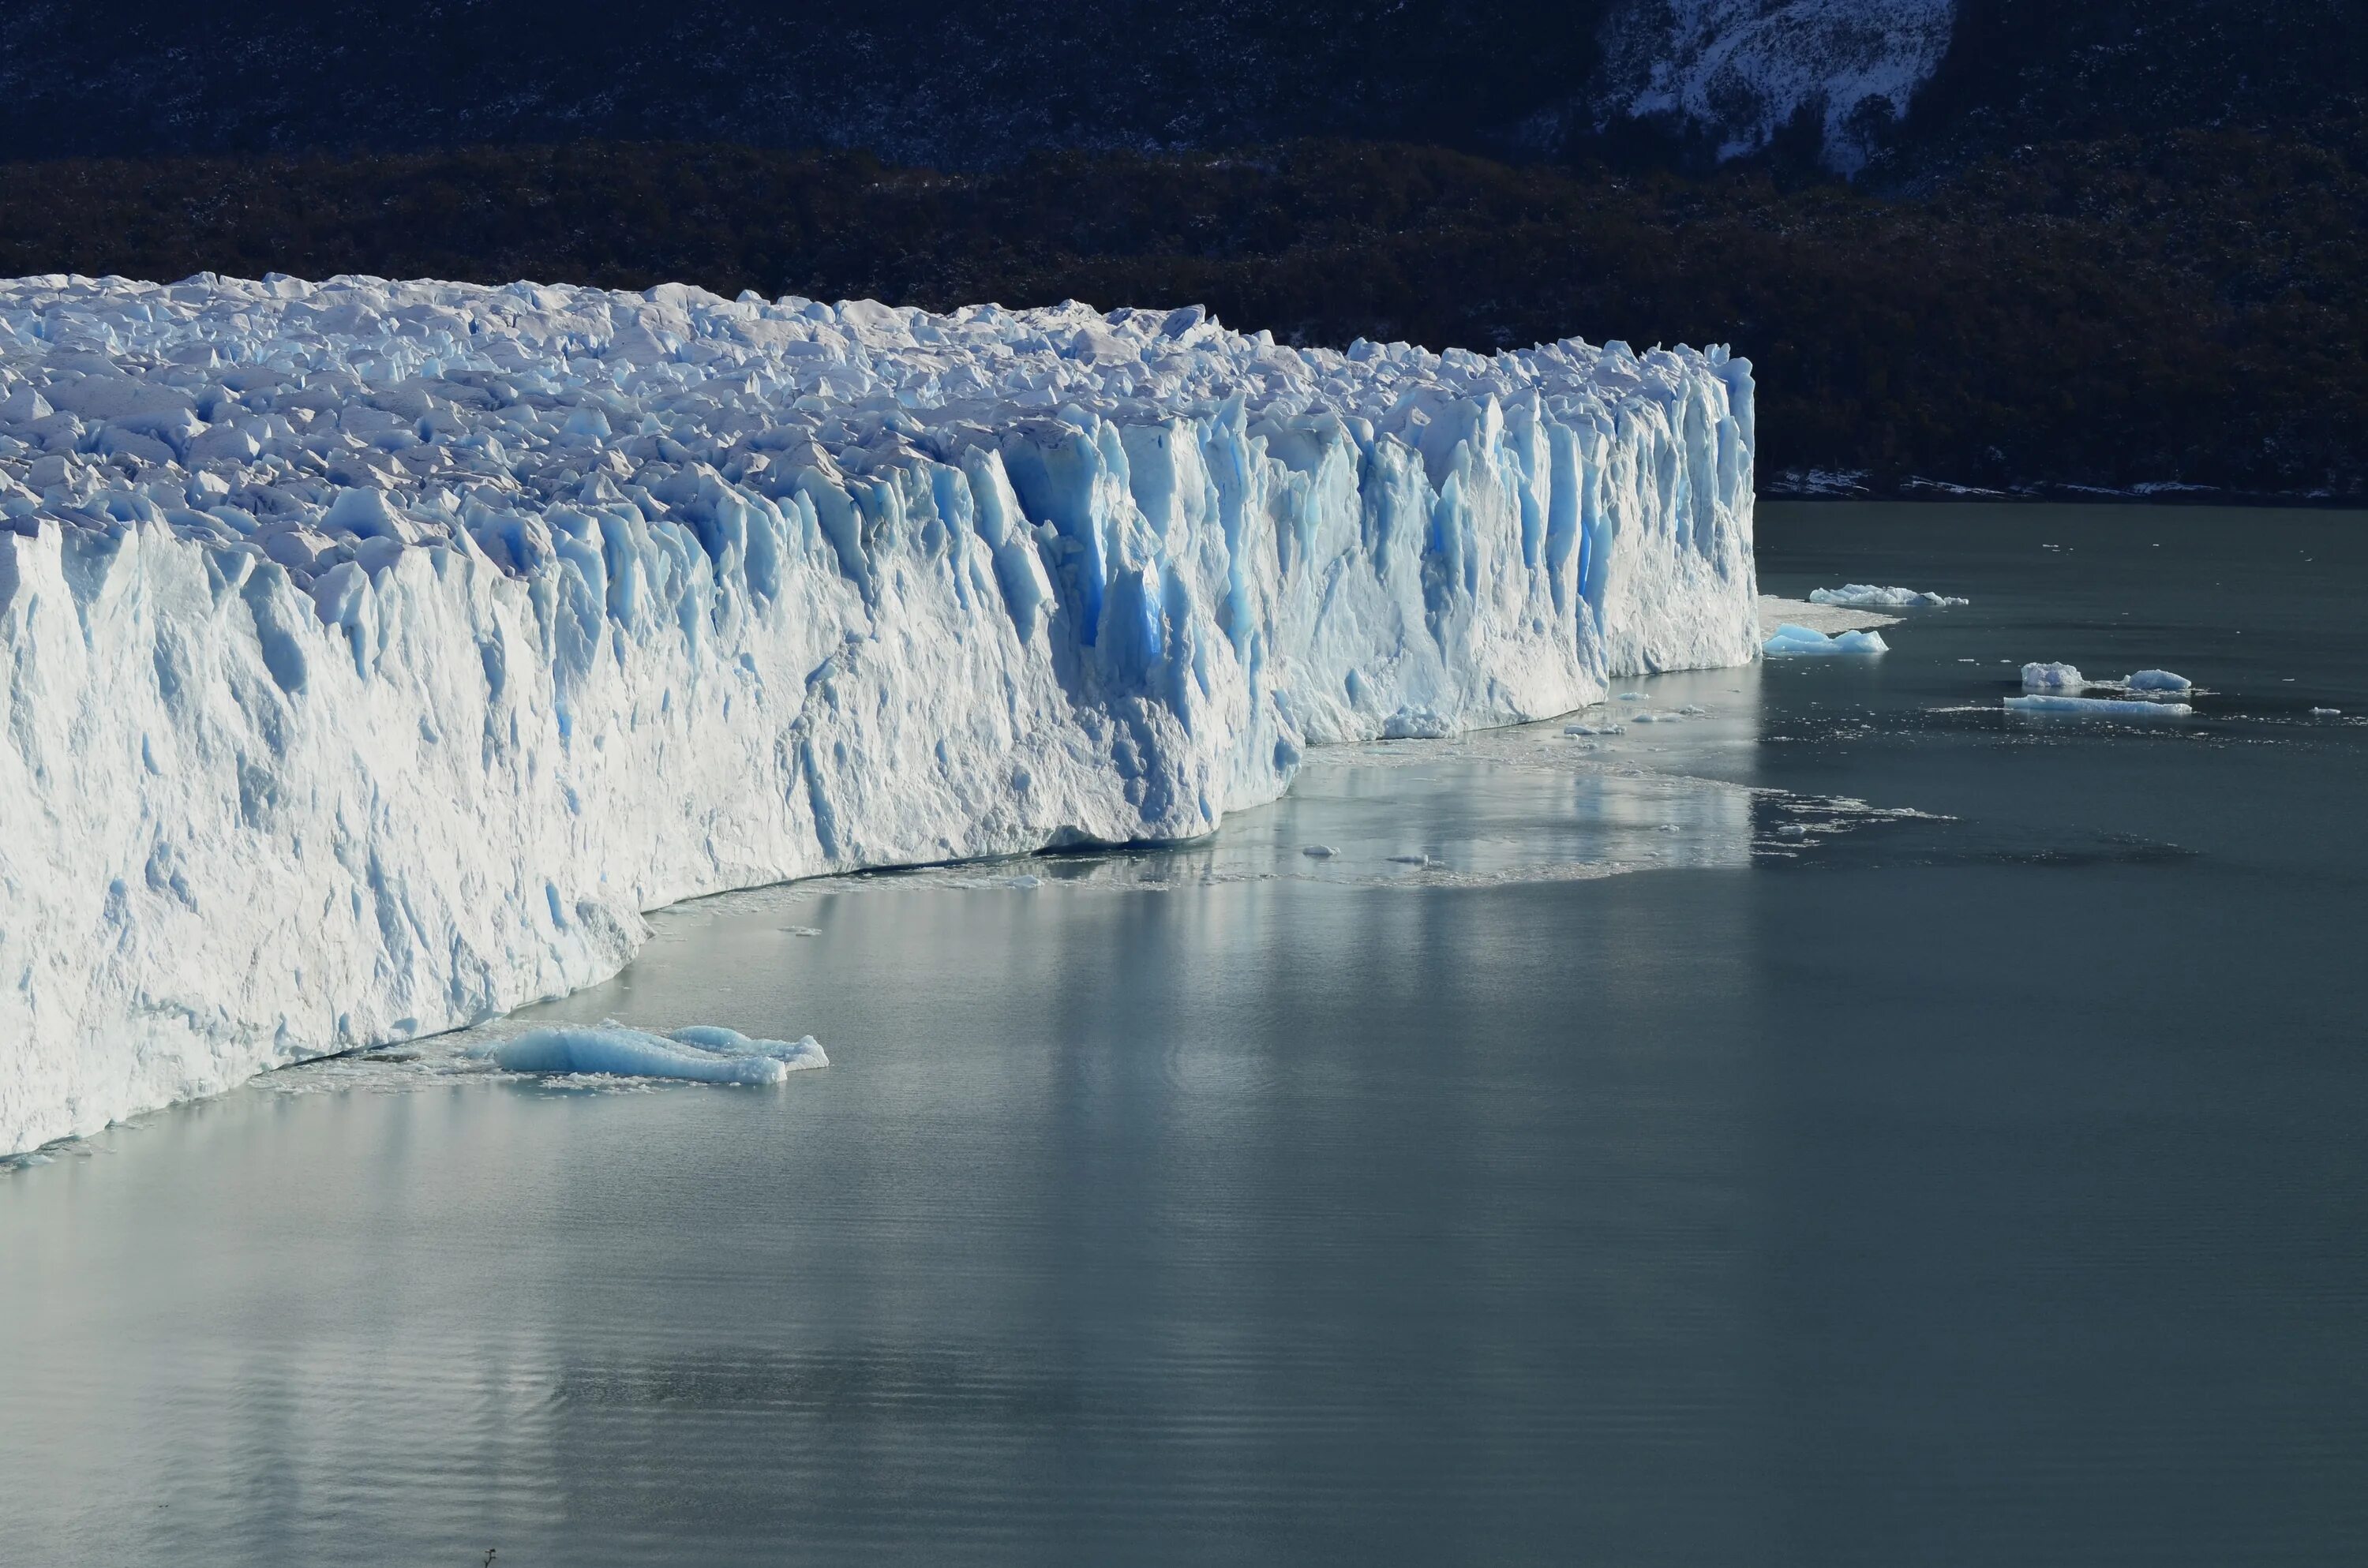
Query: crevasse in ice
373	654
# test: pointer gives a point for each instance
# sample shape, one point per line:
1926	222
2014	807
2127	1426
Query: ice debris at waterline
1801	642
2098	706
2052	677
376	652
1866	596
702	1053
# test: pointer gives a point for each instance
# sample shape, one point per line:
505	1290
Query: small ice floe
1800	641
1027	880
1410	859
1647	716
2098	706
2053	678
1866	596
2326	712
795	1054
1603	729
701	1054
1692	710
1319	851
2158	680
1632	697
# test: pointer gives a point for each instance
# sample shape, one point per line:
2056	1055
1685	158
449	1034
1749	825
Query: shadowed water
1973	1175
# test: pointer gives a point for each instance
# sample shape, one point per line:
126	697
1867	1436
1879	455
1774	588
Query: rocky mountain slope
1900	84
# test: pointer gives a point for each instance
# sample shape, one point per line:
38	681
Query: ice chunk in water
2159	680
795	1054
611	1049
2052	677
1866	596
1799	641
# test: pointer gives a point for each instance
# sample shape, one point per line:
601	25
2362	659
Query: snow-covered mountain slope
373	654
1742	69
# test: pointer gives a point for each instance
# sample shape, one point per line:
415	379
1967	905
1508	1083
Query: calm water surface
1974	1175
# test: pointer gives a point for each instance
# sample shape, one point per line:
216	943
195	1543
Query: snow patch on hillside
1742	69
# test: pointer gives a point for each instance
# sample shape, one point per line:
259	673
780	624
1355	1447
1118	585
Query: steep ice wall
1741	69
373	654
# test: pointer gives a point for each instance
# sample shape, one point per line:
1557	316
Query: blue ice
702	1055
1796	642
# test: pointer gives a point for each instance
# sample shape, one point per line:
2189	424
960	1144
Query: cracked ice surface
373	654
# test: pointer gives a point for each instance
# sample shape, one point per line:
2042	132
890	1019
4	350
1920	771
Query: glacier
374	654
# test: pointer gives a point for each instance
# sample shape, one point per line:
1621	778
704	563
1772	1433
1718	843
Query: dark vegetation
2189	307
2114	241
949	83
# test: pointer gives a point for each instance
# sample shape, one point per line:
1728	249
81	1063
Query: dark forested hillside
2028	71
2110	243
973	83
964	83
2188	308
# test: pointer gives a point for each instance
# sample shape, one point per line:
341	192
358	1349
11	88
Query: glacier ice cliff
373	655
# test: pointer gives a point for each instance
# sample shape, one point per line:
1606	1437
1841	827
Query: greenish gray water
1974	1175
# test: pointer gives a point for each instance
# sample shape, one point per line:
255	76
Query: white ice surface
1801	642
1866	596
611	1049
373	654
2158	680
2098	706
2052	677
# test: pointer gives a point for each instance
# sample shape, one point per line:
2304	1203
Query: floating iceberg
2052	677
701	1054
1799	641
2098	706
1866	596
2158	680
373	654
797	1054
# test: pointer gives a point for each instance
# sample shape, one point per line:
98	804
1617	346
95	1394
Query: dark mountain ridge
2112	245
979	83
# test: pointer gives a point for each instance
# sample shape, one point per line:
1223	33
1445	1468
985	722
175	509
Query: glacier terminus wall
373	655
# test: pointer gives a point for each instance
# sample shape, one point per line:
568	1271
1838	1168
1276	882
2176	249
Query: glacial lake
1844	1124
